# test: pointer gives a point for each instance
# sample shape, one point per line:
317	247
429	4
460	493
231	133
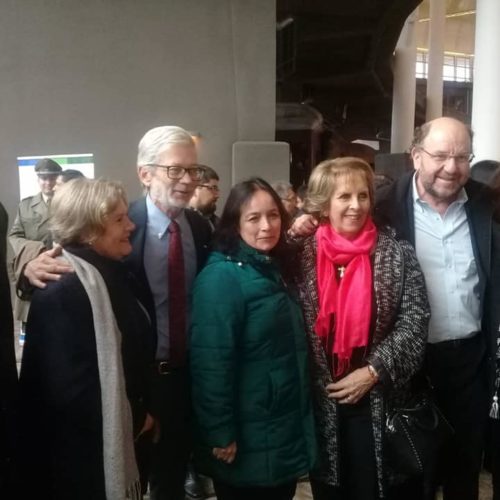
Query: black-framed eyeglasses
444	157
176	172
214	189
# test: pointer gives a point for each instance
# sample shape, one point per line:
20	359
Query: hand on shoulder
46	267
303	226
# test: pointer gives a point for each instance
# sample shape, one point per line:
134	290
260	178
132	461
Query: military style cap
46	166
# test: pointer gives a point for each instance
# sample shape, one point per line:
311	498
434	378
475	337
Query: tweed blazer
396	351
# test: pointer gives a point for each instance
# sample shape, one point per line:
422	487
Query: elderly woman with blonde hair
366	314
84	369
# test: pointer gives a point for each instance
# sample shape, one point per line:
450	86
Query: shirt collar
419	203
159	221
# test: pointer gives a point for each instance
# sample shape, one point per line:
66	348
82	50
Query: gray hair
485	171
282	187
156	140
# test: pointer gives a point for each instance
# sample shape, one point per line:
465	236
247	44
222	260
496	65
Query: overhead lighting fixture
453	14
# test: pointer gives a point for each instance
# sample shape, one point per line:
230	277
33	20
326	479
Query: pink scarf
348	303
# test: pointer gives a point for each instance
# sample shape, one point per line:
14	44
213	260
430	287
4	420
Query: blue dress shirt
155	264
444	250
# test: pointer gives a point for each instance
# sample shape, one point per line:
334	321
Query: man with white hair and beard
170	246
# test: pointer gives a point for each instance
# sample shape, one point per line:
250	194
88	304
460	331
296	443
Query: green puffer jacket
250	372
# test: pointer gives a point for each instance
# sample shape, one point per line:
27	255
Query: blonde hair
323	181
80	207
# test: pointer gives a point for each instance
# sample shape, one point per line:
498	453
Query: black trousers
169	457
458	373
358	473
225	491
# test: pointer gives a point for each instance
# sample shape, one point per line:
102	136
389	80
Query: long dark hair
227	235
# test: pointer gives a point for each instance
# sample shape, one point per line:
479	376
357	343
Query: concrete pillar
403	94
437	21
486	95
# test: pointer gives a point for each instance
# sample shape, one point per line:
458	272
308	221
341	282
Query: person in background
485	171
67	175
30	235
381	180
8	374
301	198
288	197
366	312
205	196
250	379
84	392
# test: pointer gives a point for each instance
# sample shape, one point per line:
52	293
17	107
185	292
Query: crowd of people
259	347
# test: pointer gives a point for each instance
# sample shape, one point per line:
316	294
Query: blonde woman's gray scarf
121	475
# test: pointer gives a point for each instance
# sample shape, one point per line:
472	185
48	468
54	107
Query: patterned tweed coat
396	352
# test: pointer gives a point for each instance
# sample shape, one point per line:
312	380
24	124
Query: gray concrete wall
92	76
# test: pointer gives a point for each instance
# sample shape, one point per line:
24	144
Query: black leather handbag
414	435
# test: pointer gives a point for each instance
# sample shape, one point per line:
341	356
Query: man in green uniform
30	235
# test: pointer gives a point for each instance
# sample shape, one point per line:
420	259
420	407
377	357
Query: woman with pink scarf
366	312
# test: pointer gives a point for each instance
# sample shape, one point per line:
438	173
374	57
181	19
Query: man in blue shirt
168	170
448	218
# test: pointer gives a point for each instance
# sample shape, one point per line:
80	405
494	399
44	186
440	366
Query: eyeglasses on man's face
213	188
440	157
176	172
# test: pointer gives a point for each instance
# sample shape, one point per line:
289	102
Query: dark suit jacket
8	373
202	235
394	206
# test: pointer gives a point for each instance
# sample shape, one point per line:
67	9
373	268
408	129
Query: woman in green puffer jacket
255	430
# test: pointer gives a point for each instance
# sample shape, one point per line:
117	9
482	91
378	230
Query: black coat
60	389
8	373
